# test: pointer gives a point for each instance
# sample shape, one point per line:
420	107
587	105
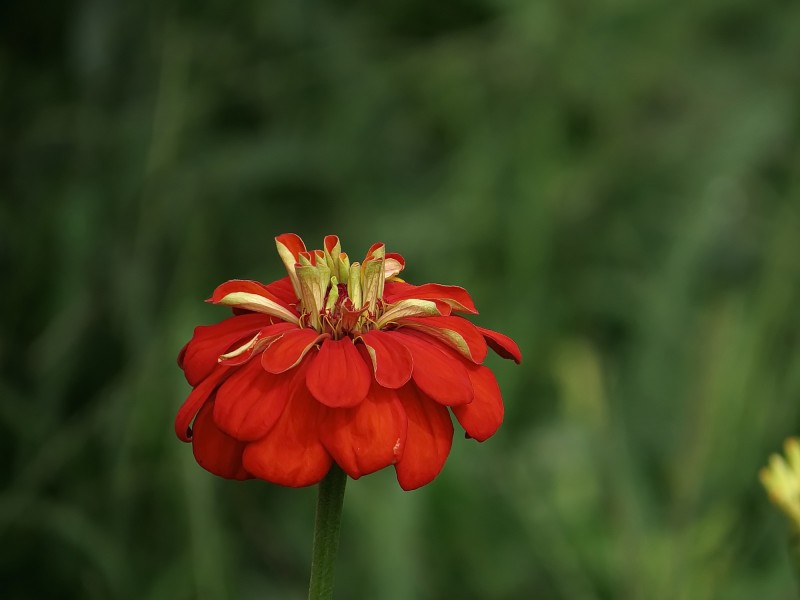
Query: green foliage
617	184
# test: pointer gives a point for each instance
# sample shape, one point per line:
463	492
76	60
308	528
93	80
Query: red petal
393	288
292	242
391	360
455	296
214	450
456	332
330	244
481	418
286	351
291	453
338	376
368	437
373	248
428	441
259	299
255	344
438	372
250	402
195	401
502	344
199	357
398	257
283	289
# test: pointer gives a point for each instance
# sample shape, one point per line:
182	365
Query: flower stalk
330	498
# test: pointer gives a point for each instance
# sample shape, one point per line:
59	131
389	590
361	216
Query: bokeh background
617	183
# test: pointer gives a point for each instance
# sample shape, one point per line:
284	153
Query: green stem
326	534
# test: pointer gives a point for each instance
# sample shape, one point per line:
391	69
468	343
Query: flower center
340	317
337	297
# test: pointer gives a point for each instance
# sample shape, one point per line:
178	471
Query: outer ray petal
292	454
481	417
196	399
289	247
412	307
437	371
241	354
502	344
199	357
391	360
368	437
428	441
456	332
283	289
251	295
250	401
216	451
339	376
457	297
289	349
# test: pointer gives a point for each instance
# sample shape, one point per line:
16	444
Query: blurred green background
617	183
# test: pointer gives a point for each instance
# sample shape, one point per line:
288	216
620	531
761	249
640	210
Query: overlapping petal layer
391	361
291	453
367	437
199	356
250	402
428	441
338	376
341	362
437	371
216	451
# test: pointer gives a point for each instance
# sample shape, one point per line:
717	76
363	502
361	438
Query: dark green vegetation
616	183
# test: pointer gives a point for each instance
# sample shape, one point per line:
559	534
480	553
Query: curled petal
354	291
199	357
259	341
481	417
197	398
372	278
457	297
391	360
216	451
338	376
250	401
289	248
412	308
502	344
393	264
289	349
377	250
456	332
437	371
291	453
367	437
332	251
428	440
314	281
251	295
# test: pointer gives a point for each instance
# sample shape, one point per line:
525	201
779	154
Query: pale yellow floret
354	284
781	479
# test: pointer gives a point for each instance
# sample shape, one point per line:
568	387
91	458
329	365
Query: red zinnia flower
337	362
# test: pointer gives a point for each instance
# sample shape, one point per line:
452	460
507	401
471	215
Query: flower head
341	362
781	479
